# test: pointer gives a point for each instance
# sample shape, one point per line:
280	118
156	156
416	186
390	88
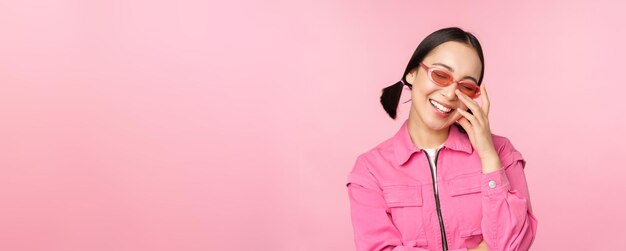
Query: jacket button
492	184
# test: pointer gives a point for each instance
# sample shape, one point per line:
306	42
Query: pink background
232	125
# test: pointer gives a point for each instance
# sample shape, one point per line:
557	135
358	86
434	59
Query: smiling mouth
440	107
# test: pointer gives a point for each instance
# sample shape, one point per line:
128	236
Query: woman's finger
471	104
471	118
466	125
485	99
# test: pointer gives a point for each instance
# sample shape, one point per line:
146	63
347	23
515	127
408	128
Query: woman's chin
441	124
437	123
437	126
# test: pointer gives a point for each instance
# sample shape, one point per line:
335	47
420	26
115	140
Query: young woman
443	181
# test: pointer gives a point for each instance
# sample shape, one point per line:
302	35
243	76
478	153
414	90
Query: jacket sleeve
373	228
508	221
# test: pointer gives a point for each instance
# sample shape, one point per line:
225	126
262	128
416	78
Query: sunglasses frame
429	72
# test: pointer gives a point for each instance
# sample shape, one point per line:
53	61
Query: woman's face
460	60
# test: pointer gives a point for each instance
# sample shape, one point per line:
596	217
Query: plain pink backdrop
232	125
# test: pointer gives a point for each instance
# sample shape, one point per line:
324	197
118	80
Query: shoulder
370	162
383	151
507	152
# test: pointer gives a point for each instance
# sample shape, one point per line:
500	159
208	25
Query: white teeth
440	107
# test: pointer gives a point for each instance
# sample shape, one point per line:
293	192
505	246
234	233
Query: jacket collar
404	147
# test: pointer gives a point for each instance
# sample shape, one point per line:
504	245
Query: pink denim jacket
394	207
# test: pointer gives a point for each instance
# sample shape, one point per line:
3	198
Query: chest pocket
403	195
404	204
466	202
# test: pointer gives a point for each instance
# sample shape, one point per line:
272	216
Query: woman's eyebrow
452	70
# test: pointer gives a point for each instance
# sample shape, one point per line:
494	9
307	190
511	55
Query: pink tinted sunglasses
443	78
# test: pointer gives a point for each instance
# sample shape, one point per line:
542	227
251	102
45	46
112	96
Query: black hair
391	94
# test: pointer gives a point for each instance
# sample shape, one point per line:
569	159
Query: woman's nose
448	91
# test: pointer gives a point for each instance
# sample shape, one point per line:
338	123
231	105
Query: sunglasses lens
441	77
470	89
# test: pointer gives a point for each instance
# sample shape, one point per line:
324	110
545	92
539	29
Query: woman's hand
477	128
481	247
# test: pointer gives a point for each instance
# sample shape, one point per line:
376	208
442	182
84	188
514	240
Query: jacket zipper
444	241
